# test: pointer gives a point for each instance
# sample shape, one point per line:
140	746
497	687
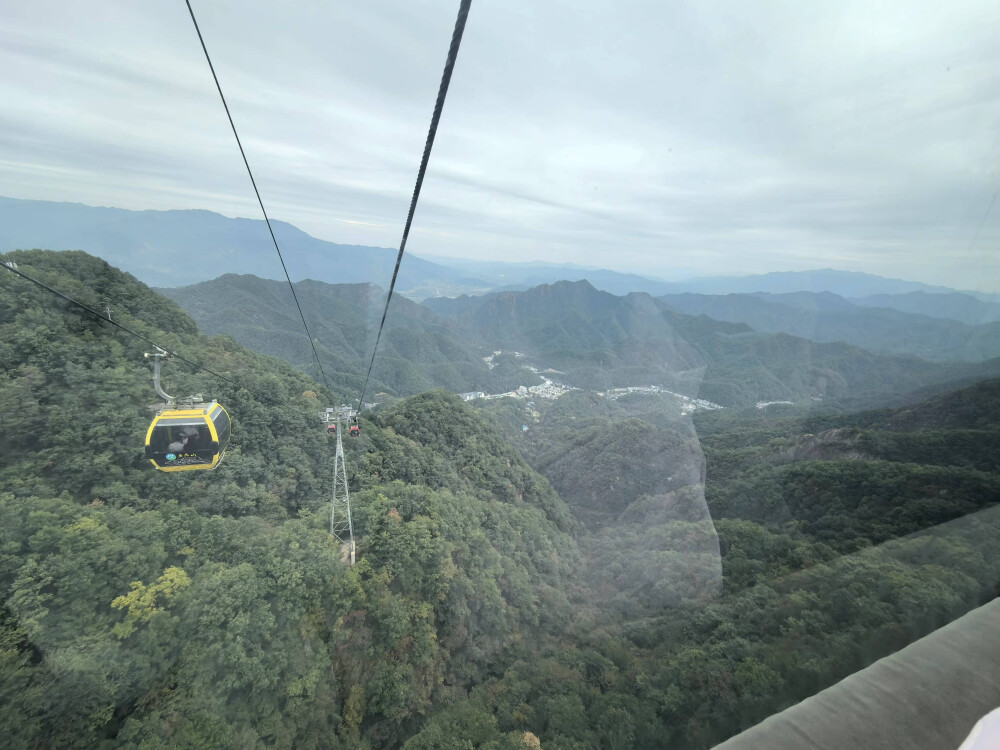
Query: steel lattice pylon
341	526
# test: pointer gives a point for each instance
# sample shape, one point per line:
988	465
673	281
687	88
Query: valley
550	389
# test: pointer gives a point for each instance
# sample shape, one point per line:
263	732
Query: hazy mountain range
601	340
417	351
176	248
172	248
826	334
593	339
826	317
965	308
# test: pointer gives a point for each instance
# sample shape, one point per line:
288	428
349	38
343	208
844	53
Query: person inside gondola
186	440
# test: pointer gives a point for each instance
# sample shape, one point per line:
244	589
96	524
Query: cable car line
456	41
193	434
982	222
253	182
128	330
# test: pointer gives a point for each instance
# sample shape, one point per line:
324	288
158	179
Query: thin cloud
716	136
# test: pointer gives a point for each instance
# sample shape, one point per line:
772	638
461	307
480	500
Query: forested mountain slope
417	351
842	538
858	478
155	610
596	338
490	608
599	340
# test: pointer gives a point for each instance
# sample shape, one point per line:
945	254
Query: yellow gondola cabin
188	437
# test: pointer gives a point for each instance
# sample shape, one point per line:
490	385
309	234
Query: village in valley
550	389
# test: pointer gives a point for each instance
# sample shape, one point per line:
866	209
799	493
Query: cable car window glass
180	435
222	426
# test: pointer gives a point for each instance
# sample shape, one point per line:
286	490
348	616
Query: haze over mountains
176	248
821	335
600	340
828	317
417	350
592	340
689	501
965	308
172	248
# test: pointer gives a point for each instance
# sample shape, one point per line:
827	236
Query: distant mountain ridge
843	283
826	317
173	248
965	308
595	339
519	277
181	247
417	351
600	340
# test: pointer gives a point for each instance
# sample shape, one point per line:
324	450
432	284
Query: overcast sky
666	138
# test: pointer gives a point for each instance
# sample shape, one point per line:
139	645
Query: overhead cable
257	193
982	222
10	267
456	41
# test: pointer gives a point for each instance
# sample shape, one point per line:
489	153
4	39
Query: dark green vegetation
417	351
489	604
853	480
601	341
214	611
842	538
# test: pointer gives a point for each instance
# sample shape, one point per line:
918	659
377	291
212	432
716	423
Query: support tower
341	526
